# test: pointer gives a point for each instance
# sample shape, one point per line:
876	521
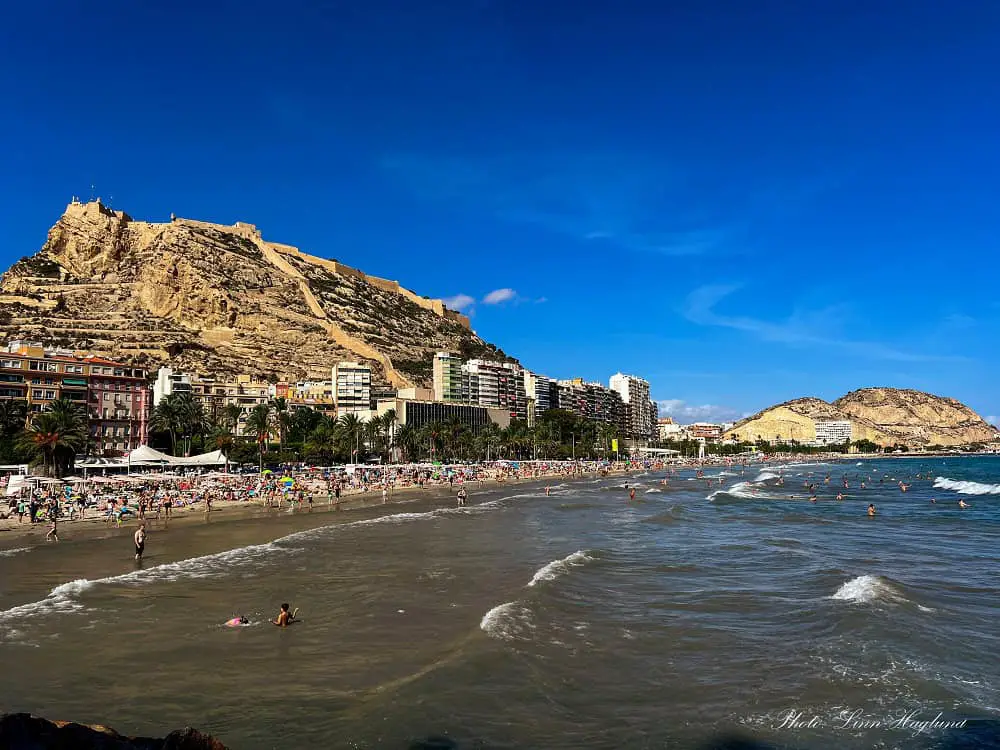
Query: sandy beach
15	535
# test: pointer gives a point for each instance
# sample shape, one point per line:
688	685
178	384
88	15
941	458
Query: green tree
55	435
407	439
168	417
350	433
260	423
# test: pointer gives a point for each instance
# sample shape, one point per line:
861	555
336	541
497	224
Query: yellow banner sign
614	444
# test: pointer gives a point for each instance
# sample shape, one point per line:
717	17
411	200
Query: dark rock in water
27	732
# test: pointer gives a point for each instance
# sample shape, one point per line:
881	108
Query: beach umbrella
267	471
286	480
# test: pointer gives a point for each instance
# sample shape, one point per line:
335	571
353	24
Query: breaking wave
15	551
868	589
507	621
765	475
966	488
557	568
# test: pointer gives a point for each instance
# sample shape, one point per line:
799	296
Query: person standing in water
140	541
871	510
53	529
463	496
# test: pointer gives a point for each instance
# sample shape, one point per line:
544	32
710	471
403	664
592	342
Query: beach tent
146	456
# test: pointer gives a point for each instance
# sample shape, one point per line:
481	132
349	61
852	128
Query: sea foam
966	488
867	589
765	475
556	568
15	551
507	621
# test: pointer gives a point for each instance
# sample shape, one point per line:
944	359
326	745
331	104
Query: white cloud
686	413
460	301
497	296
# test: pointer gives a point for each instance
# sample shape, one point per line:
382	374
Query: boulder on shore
27	732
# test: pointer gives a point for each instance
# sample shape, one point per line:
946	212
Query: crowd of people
159	495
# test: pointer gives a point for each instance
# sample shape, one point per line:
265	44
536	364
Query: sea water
574	620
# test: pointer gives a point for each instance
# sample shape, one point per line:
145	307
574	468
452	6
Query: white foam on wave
653	490
966	488
740	489
507	621
556	568
15	551
64	597
867	589
765	475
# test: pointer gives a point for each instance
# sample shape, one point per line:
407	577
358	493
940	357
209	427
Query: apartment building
707	431
451	380
544	391
114	396
119	405
835	432
352	387
168	383
641	411
244	391
498	385
592	401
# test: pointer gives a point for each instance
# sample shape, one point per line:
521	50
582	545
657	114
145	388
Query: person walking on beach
53	529
140	541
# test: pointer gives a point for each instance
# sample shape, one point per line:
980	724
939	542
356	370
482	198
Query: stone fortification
219	299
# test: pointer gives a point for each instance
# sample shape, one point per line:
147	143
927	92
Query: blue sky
744	202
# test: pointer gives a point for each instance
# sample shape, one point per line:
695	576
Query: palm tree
408	440
433	434
193	420
259	424
56	435
167	417
13	414
389	430
230	417
350	430
489	439
282	418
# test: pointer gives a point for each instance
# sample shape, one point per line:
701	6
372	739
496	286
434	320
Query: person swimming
237	622
285	618
963	504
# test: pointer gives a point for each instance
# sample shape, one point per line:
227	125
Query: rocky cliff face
217	299
917	418
886	416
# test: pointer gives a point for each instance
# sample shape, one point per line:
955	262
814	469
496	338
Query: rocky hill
886	416
217	299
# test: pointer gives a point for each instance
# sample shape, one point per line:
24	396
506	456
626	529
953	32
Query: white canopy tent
146	456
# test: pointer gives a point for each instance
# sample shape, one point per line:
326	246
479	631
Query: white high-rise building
352	387
833	433
641	410
169	382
